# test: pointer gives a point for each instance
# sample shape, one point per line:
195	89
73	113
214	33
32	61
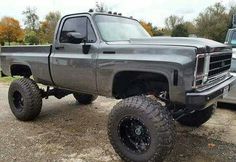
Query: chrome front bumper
201	100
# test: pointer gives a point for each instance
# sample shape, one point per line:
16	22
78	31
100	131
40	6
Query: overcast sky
154	11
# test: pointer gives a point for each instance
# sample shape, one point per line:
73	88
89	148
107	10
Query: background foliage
211	23
10	30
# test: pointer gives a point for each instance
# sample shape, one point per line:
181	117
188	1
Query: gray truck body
65	66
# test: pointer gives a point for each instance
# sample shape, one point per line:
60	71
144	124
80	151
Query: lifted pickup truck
158	79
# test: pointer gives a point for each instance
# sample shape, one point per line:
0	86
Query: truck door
70	67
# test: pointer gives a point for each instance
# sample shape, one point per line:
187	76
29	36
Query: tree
10	30
157	32
213	23
47	27
190	27
31	37
101	7
153	30
163	32
172	21
31	19
180	31
147	26
2	41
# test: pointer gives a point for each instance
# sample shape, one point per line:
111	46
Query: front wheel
84	99
141	130
25	99
197	118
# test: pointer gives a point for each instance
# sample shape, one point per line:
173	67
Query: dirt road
66	131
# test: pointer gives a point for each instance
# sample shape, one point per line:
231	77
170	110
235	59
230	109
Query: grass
6	79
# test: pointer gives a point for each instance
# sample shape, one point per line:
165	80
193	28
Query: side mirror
75	37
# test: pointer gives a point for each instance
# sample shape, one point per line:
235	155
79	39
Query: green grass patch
6	79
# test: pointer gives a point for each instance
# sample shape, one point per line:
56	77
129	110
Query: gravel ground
66	131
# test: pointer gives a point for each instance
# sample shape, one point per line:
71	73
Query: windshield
114	28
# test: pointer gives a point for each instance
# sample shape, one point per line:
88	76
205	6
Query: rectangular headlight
202	69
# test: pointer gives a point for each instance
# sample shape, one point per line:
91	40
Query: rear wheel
141	130
25	99
84	99
197	118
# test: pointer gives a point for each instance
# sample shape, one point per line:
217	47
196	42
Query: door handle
59	47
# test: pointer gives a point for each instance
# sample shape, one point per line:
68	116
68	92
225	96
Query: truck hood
179	41
174	41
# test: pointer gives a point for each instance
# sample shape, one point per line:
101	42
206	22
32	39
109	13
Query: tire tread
32	98
158	115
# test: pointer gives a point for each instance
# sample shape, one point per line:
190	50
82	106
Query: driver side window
78	25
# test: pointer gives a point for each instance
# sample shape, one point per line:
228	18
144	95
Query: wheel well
21	70
130	83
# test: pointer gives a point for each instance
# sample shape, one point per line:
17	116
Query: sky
154	11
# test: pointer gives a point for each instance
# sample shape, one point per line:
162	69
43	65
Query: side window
233	38
77	24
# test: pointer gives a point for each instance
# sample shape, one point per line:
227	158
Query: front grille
219	63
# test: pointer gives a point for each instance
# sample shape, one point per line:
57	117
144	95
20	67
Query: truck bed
35	57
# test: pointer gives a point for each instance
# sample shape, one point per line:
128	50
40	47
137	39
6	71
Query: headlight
201	70
200	66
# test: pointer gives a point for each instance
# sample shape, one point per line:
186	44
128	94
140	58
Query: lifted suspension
56	92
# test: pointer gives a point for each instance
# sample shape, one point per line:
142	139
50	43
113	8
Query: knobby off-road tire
197	118
84	99
141	130
25	99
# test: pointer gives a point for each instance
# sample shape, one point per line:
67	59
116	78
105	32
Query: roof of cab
101	13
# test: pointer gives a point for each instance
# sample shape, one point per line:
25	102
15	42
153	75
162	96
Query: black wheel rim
134	134
18	101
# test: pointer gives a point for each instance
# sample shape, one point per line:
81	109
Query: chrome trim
195	71
213	83
206	67
208	82
218	86
219	75
218	53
